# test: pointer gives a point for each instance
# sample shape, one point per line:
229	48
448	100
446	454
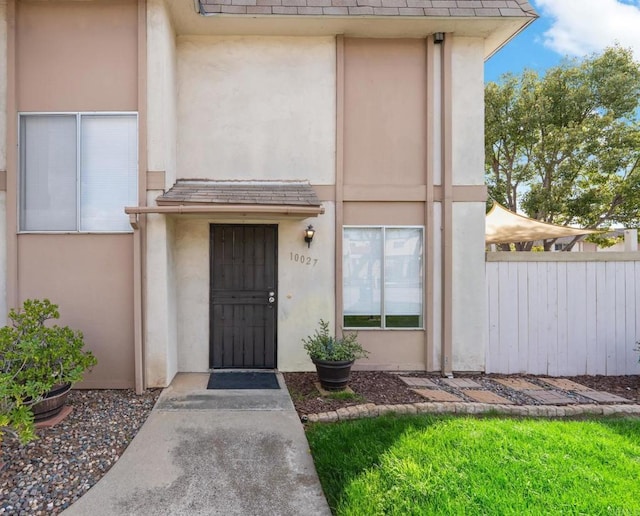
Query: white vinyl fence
563	314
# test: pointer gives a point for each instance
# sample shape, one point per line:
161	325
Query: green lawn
474	466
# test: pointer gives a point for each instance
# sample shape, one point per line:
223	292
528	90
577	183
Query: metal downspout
137	305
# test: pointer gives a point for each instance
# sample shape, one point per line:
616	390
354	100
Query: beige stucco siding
469	297
226	132
385	161
373	123
436	291
468	289
90	278
77	56
161	92
306	286
192	274
3	259
246	108
160	303
383	213
161	353
304	292
392	350
3	161
385	114
256	108
3	86
386	142
467	65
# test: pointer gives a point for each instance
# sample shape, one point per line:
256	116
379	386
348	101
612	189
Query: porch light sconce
308	234
438	37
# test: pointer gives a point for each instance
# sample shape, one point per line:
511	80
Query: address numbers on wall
303	259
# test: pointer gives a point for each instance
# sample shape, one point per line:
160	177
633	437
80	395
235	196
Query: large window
77	171
382	275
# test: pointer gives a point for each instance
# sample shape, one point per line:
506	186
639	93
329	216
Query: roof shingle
428	8
287	193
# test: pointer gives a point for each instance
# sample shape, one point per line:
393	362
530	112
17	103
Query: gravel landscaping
49	474
46	476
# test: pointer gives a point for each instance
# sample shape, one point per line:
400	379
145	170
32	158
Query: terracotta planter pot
52	403
333	375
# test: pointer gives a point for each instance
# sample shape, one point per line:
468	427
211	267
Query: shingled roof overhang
496	21
279	199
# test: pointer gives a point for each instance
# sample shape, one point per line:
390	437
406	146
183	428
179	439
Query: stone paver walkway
437	395
461	383
485	396
550	397
564	384
604	397
518	384
414	381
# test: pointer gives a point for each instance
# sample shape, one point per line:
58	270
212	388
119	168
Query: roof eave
492	47
233	209
496	30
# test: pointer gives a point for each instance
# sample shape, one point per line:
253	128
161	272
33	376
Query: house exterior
162	160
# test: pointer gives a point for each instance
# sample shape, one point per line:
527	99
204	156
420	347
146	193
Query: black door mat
242	380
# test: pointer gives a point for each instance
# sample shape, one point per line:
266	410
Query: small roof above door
276	197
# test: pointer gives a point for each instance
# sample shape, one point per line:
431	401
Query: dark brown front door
242	318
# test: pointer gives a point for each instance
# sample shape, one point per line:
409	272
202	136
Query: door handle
272	297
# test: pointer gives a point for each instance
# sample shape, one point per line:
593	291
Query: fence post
630	240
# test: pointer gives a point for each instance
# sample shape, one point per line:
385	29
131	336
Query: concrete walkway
235	452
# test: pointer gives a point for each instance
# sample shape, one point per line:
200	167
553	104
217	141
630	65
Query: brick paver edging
373	410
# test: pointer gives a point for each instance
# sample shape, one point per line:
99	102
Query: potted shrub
333	356
38	365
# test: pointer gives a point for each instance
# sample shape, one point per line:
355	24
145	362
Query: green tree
564	148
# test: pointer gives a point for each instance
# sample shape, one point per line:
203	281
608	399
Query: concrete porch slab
188	391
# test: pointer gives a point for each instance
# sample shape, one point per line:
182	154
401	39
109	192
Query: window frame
78	143
383	314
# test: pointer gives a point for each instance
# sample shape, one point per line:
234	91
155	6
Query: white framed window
382	269
77	171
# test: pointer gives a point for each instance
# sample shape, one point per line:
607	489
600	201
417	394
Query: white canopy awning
504	226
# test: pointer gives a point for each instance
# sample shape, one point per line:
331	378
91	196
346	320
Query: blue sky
568	28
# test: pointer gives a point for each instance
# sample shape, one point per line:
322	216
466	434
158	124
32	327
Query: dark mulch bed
384	388
625	386
371	386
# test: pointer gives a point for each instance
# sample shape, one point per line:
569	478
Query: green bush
34	358
323	346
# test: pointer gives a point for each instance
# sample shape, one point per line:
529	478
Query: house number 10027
304	260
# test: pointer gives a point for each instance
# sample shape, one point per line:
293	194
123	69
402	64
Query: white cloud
581	27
